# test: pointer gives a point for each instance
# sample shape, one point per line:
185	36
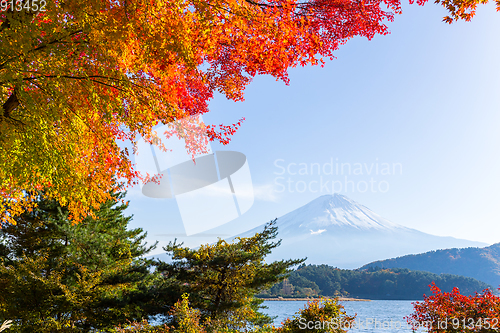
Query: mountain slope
338	231
480	263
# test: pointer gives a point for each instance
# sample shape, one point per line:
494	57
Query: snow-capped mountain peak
334	210
338	231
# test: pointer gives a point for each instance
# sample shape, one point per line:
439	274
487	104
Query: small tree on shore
319	316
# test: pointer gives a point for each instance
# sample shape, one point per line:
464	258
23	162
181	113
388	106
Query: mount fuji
340	232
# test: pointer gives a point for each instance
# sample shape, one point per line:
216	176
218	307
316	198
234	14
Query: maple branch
33	78
300	5
302	9
90	77
263	4
49	93
41	46
44	45
108	85
54	97
70	108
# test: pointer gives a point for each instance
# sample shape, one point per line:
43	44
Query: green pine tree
222	279
60	277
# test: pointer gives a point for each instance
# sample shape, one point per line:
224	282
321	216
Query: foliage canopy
80	75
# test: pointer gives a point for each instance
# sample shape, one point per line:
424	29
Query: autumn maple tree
453	312
78	76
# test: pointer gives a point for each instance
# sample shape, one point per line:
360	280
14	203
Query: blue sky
425	98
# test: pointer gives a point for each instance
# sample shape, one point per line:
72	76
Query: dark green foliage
55	276
478	263
221	279
374	283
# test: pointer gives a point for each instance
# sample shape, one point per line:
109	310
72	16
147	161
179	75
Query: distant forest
371	283
478	263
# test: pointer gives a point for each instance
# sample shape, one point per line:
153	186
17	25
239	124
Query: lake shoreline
342	299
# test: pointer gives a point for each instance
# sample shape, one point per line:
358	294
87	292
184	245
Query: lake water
372	316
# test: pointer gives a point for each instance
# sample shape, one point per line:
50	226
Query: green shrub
319	316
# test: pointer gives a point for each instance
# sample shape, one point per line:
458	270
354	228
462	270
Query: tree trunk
10	105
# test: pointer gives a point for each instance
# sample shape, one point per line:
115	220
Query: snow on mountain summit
334	210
